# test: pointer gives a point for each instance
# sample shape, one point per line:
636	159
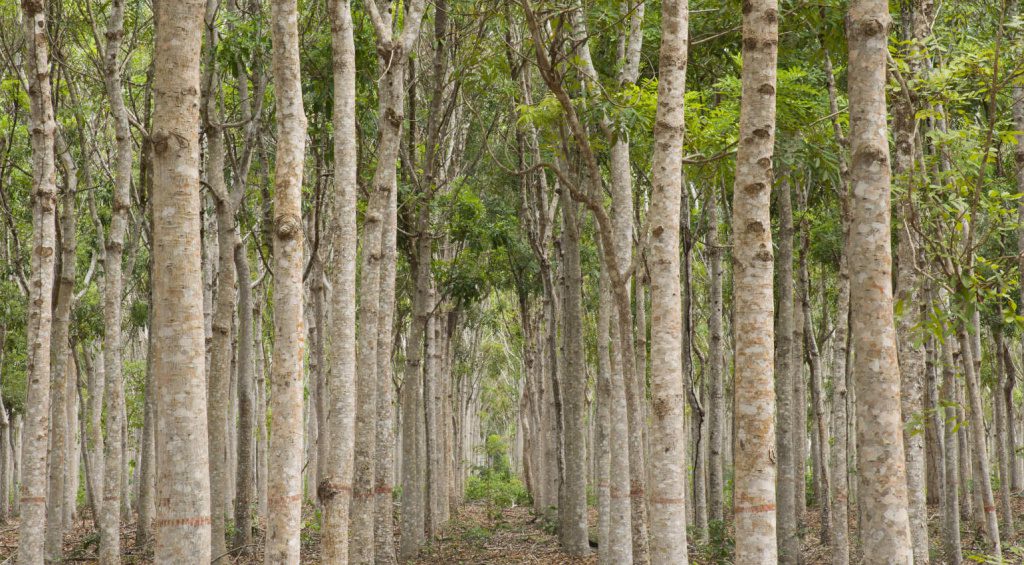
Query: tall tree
668	397
754	500
40	292
113	284
881	468
182	521
335	489
284	488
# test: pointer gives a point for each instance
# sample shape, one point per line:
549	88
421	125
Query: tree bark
284	487
840	462
668	468
335	490
245	495
976	433
787	371
754	499
880	463
1002	453
60	363
183	520
716	360
40	300
951	502
572	499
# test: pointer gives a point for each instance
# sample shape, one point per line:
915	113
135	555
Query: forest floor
480	534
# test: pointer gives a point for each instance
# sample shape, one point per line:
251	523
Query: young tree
668	397
182	521
284	496
335	490
880	464
754	501
32	497
113	284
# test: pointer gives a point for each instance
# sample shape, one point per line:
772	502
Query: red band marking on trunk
33	499
195	521
754	509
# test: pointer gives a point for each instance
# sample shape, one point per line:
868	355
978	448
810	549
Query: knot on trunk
288	226
329	488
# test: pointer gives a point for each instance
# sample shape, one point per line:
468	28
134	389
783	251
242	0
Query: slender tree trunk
840	465
787	370
881	467
413	479
335	490
1011	419
59	363
572	499
754	503
147	463
40	299
384	516
183	520
284	496
951	502
668	488
110	524
602	452
1002	453
911	354
716	361
976	432
246	495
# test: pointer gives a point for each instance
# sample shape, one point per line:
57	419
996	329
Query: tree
881	465
668	488
182	521
754	501
40	317
284	494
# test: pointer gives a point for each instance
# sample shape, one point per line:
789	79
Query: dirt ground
477	535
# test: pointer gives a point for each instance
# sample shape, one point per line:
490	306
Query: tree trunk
572	496
183	520
976	433
602	452
754	501
881	467
840	463
335	490
60	364
716	360
245	495
40	300
384	443
413	479
284	487
787	371
1002	453
147	463
951	501
668	470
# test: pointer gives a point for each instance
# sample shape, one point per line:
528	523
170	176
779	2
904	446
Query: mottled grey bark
182	523
60	353
335	489
881	467
668	468
42	126
716	365
754	499
787	371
